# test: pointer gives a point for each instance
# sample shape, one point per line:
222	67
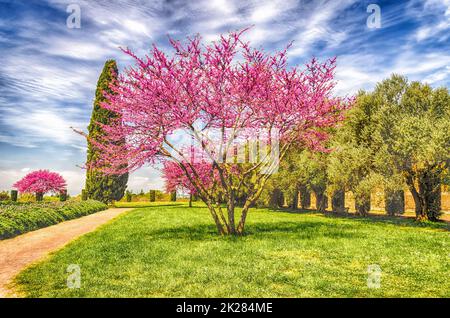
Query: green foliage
173	196
395	136
27	197
105	188
63	196
351	164
172	251
84	195
300	169
128	196
305	197
276	198
413	127
17	218
4	196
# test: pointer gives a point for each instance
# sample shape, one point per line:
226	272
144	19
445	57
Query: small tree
4	196
226	87
63	195
41	182
128	196
414	134
175	179
84	195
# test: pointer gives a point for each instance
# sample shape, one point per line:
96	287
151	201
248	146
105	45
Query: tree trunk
190	200
362	204
39	196
418	200
221	229
305	197
294	204
430	191
321	199
230	211
276	199
241	225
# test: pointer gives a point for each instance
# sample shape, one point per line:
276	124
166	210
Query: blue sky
48	72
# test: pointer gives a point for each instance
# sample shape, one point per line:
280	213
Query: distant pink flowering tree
227	87
176	179
41	182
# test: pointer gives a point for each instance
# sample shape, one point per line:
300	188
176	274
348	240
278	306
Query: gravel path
21	251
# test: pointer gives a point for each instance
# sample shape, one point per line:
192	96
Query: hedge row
16	218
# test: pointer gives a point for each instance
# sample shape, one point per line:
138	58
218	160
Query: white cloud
363	71
439	28
44	125
316	27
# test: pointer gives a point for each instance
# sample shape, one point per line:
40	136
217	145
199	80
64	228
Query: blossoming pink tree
41	182
227	87
175	178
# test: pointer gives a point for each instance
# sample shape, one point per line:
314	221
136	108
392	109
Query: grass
17	217
173	251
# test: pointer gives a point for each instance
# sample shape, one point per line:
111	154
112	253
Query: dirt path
21	251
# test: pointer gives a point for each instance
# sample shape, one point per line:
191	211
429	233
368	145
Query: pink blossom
41	181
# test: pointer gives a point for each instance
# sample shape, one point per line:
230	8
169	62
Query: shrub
17	218
63	195
84	195
4	196
128	196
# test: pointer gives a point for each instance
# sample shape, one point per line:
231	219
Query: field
168	250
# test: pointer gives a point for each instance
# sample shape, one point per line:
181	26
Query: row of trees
151	196
395	137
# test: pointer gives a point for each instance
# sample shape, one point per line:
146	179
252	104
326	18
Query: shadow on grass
371	218
300	230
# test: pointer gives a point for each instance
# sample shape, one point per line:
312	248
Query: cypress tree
152	195
14	195
63	196
105	188
84	196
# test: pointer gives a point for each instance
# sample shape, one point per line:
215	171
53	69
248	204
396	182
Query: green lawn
173	251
